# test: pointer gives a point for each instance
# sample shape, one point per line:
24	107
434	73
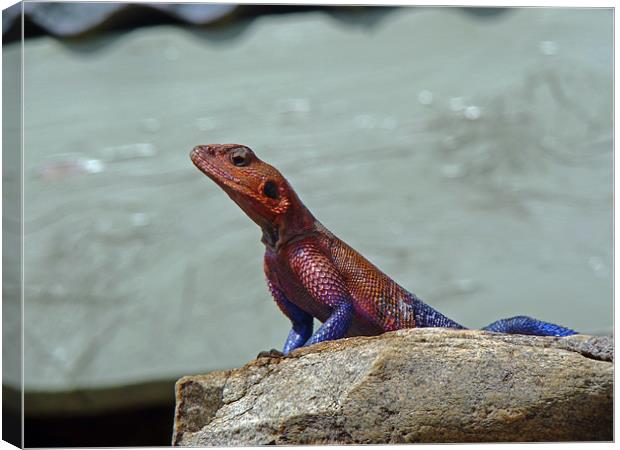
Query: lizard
311	273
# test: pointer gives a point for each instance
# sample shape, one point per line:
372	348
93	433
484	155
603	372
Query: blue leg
301	331
301	320
527	325
336	326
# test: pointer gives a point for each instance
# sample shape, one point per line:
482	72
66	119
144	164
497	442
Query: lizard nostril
203	150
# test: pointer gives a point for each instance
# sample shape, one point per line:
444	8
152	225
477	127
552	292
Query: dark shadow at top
91	27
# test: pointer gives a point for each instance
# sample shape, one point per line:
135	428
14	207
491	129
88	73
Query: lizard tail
527	325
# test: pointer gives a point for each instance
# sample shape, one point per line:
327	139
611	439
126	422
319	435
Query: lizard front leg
336	326
325	285
301	320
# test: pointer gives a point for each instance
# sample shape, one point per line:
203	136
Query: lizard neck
298	221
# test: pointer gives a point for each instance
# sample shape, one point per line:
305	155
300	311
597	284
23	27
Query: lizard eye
240	157
270	190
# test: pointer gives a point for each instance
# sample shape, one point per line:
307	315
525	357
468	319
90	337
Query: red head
258	188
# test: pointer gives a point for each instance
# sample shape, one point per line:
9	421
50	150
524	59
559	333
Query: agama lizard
313	274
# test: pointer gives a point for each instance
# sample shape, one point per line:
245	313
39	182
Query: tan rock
420	385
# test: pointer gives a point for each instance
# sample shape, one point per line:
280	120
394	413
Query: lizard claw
273	353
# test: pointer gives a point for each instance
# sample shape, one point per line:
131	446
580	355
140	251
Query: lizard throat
271	236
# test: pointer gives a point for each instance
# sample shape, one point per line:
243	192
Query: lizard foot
273	353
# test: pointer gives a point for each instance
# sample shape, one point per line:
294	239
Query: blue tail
527	325
426	316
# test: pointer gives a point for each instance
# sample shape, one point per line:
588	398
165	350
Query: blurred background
465	152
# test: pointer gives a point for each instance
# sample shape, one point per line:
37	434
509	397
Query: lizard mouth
210	169
220	176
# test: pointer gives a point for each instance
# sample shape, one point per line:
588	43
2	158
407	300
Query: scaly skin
313	274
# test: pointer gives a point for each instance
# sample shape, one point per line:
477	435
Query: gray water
468	158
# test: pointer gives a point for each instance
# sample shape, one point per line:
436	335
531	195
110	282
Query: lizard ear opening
270	189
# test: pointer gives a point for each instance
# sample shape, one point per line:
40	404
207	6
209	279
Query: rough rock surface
419	385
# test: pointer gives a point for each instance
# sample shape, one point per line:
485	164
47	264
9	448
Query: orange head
258	188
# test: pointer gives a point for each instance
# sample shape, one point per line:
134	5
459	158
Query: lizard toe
273	353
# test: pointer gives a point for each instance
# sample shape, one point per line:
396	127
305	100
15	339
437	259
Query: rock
417	385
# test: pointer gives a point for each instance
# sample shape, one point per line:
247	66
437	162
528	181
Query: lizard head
258	188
